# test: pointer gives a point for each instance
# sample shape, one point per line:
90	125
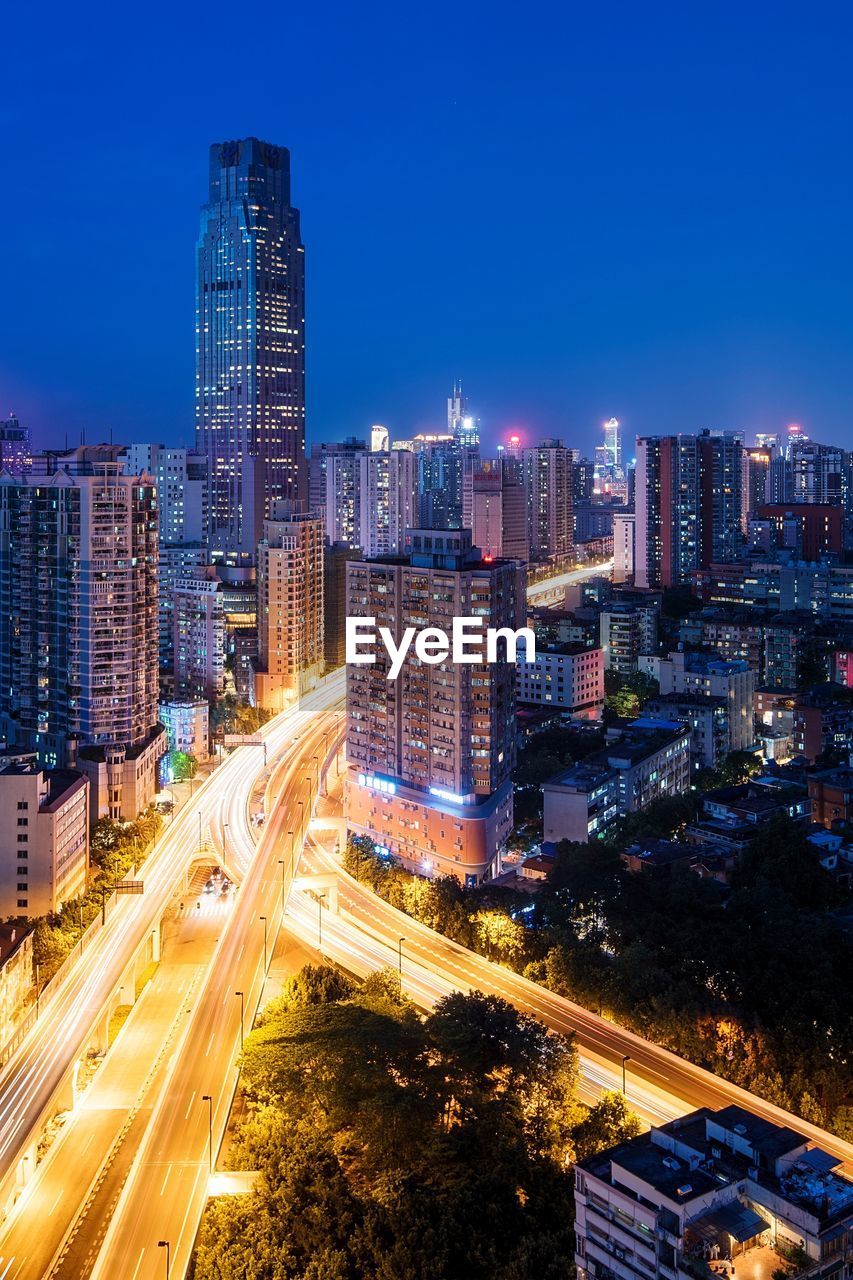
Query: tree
182	766
626	695
499	937
607	1124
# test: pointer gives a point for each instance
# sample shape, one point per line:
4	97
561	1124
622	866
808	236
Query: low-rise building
822	722
187	727
831	796
647	760
433	833
44	841
709	1186
567	676
733	816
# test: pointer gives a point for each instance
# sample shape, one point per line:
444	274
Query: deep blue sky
582	210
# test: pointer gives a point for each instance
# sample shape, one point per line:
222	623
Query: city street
166	1190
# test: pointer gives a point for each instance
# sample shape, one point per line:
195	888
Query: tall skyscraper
290	607
548	479
78	623
250	342
431	752
441	465
688	505
460	423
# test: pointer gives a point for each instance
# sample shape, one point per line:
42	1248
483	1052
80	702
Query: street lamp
400	942
164	1244
103	904
625	1058
224	839
265	941
292	857
281	863
205	1097
81	928
242	1016
319	922
199	831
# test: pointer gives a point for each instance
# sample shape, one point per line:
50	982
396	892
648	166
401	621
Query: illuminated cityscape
426	734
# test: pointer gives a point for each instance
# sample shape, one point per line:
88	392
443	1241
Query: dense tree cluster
114	849
230	714
398	1147
756	985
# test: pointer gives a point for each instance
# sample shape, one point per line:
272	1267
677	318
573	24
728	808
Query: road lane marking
209	1044
8	1265
136	1268
56	1201
190	1107
166	1179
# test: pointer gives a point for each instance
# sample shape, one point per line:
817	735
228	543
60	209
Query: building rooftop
708	1150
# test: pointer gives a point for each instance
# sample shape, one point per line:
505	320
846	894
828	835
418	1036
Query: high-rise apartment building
250	342
387	501
495	510
342	490
290	607
198	620
78	623
688	505
337	557
181	477
549	481
431	752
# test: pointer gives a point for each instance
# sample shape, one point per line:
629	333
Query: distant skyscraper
460	423
78	623
250	341
441	465
378	438
15	452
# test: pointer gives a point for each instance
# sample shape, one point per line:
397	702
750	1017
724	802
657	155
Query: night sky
582	210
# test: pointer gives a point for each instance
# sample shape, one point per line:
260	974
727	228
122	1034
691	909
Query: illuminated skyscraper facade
250	342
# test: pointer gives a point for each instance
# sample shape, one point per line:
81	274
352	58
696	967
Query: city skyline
711	289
